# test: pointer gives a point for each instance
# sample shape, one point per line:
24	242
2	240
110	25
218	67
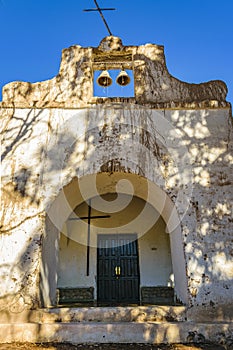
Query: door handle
118	270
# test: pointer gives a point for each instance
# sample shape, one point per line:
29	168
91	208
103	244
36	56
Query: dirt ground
27	346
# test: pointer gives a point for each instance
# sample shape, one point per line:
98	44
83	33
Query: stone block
75	295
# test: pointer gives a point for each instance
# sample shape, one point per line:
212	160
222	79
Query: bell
104	79
123	79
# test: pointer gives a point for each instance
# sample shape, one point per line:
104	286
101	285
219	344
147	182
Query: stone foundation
75	295
161	295
157	295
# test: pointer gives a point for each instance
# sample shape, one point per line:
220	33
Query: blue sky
197	35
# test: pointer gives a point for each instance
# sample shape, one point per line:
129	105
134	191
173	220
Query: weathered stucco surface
73	86
184	147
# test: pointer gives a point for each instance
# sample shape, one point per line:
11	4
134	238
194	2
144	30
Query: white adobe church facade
117	201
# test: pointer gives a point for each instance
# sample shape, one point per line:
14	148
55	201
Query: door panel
117	269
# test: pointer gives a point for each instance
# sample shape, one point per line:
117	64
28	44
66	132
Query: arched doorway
123	261
148	215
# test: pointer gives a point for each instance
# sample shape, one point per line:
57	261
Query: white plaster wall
207	225
19	266
73	265
155	257
44	149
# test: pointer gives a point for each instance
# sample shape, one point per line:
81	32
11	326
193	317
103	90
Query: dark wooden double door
117	269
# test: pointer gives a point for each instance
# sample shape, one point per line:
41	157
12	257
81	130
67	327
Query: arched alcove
130	188
137	241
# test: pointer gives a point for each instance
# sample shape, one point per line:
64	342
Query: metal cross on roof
101	14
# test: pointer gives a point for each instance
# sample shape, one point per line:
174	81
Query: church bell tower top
111	43
154	86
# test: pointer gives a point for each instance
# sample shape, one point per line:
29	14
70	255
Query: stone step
116	332
112	314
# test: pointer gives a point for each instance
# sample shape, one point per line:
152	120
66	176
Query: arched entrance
123	261
125	208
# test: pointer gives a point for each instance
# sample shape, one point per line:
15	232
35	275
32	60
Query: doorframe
138	261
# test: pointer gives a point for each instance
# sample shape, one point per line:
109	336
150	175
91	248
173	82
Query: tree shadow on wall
211	217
